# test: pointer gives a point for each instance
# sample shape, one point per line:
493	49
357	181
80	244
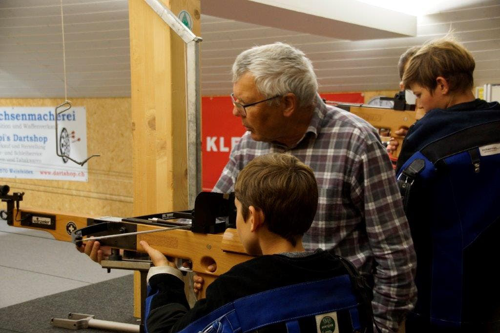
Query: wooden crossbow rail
389	119
382	118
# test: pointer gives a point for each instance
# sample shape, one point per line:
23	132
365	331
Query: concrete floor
33	264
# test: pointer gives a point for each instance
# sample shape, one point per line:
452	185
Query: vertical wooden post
157	57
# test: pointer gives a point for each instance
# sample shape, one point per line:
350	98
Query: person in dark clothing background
404	61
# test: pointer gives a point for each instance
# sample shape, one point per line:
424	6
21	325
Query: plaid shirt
360	213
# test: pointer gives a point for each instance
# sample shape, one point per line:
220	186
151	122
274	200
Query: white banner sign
28	143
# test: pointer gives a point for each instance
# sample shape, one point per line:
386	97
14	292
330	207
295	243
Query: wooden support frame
158	98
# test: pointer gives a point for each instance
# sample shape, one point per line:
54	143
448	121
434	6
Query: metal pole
487	92
193	120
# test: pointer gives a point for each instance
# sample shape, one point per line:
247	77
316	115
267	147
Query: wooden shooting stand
158	84
388	119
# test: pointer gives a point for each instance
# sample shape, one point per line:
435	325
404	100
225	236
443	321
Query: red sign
221	131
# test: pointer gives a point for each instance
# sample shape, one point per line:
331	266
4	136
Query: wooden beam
342	19
158	110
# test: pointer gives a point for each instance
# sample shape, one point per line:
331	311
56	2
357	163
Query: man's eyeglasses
242	107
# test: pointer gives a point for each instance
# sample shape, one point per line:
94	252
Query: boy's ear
442	85
255	218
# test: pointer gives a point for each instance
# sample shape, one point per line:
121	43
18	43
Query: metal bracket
11	200
78	321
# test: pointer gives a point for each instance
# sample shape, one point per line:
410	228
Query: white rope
64	53
134	233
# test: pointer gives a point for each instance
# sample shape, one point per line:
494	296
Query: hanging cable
64	53
66	105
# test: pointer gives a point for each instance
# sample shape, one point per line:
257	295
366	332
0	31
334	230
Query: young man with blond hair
449	171
440	75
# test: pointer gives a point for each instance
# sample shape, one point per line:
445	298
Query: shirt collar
314	125
318	116
467	106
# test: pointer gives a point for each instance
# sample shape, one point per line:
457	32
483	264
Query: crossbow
204	236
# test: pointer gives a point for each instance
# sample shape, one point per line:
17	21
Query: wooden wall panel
109	190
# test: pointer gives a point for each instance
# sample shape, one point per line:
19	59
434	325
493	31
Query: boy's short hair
284	189
441	57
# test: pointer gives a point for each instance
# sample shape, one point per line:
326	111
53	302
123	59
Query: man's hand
393	143
198	280
157	257
94	250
